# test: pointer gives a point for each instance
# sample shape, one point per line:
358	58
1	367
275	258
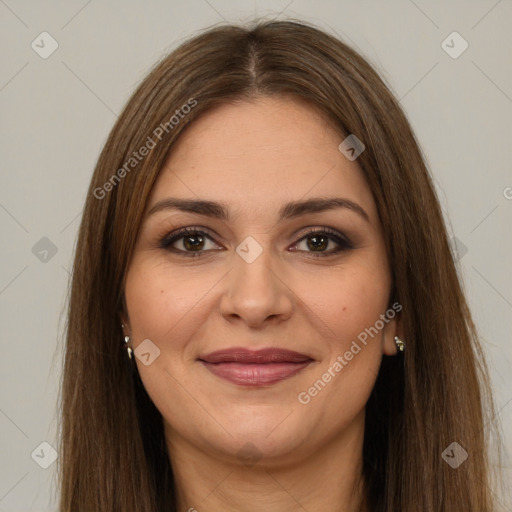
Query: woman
265	312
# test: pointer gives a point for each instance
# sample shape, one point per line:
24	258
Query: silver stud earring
400	345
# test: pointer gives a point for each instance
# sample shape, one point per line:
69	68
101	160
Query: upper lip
266	355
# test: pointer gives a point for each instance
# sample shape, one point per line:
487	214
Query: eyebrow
288	211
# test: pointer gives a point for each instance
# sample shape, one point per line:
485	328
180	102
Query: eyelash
167	241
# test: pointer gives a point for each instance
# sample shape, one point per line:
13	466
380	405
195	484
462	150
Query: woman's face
272	273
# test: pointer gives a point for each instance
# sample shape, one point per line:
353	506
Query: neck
329	478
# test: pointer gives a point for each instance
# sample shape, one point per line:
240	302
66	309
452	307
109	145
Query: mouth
255	368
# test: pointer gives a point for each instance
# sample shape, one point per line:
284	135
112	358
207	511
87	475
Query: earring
126	341
128	349
400	345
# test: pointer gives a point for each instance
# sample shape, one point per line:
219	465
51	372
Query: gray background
57	112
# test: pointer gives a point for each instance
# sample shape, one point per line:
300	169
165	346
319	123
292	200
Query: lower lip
256	374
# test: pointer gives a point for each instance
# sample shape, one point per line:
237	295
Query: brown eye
188	241
317	241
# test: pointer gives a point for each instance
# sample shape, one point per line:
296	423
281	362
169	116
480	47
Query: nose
256	291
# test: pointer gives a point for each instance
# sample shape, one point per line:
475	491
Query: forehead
257	155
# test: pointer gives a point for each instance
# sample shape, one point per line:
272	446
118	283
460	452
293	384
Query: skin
254	157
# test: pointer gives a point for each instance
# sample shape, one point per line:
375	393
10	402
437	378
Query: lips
255	368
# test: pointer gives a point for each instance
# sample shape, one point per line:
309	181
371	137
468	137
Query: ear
125	322
391	329
124	318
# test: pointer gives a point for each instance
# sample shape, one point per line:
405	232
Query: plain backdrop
57	110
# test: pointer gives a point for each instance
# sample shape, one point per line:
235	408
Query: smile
255	368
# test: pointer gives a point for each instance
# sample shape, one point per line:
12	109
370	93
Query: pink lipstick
255	368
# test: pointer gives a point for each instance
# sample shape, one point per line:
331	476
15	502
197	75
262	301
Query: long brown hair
112	454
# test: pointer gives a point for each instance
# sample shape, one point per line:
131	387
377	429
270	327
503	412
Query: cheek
161	301
349	305
162	308
347	301
361	327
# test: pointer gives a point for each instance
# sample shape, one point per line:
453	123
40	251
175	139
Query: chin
260	451
276	438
